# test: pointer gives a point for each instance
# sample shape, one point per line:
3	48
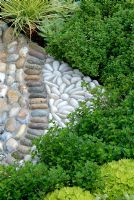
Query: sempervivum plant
26	15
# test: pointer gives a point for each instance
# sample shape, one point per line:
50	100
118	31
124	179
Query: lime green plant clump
118	178
70	193
26	15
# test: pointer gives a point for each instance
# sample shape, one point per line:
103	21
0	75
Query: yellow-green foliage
70	193
118	177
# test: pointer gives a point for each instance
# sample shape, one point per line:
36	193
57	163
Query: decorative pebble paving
34	88
63	85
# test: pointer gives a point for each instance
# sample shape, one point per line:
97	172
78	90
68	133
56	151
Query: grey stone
5	136
10	160
2	67
1	146
33	66
18	155
27	158
32	71
1	45
20	62
23	149
1	128
3	105
35	132
36	54
41	126
3	90
21	131
39	106
23	51
36	89
10	125
3	25
10	80
34	83
39	120
14	110
39	113
19	75
3	117
13	96
8	35
31	137
2	77
12	57
37	95
11	69
22	121
1	31
11	145
33	60
26	142
12	47
23	102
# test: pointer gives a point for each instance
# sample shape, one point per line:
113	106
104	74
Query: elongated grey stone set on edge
23	97
34	88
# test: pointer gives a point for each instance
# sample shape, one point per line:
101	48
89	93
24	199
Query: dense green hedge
99	41
30	182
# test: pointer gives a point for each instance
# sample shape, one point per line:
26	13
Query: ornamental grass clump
23	15
27	15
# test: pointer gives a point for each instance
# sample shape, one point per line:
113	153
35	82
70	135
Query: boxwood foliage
30	182
99	41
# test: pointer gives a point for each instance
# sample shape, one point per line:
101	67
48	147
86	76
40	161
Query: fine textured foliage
99	41
118	178
91	139
61	11
30	182
26	15
73	154
67	193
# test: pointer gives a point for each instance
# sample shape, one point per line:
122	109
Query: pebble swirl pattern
34	89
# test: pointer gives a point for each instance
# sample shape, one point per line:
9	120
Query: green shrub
30	182
99	41
118	178
72	153
67	193
91	139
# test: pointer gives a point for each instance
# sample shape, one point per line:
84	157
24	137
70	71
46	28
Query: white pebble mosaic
63	85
